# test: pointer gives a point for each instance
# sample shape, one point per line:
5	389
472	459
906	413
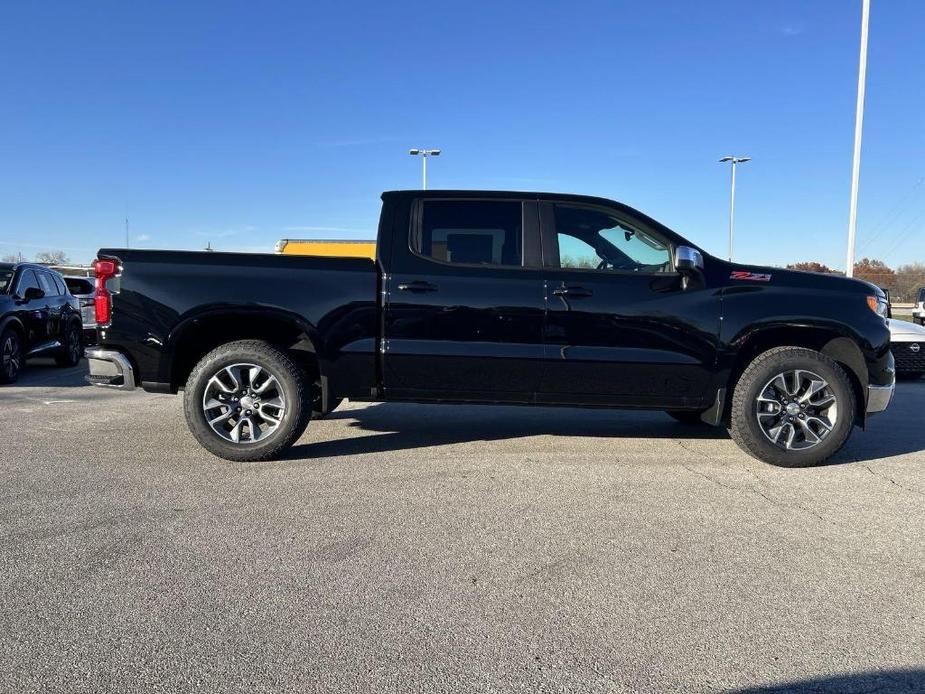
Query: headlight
879	306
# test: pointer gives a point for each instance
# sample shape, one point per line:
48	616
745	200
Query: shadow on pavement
407	426
42	372
399	426
882	682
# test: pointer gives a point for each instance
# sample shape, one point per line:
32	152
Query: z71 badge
752	276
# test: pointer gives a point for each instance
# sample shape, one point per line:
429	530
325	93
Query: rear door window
62	290
471	232
47	283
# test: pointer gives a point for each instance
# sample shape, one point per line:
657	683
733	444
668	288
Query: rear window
922	294
5	277
78	286
471	232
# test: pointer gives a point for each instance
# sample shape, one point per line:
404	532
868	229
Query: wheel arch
15	323
197	335
826	340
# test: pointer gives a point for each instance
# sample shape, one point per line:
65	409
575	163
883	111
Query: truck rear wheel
792	407
247	400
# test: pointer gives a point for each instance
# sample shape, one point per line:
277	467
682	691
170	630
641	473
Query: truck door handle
573	292
418	286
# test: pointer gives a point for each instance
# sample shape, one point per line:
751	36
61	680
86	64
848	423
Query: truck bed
165	300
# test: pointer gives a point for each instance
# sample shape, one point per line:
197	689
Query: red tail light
105	269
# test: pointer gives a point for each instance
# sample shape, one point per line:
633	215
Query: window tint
47	283
78	286
26	280
591	238
62	290
471	232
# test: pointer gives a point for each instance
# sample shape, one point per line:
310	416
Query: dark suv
38	317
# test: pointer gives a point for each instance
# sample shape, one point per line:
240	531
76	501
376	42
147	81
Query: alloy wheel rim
244	403
11	357
796	410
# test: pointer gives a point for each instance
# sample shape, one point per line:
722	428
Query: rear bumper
109	369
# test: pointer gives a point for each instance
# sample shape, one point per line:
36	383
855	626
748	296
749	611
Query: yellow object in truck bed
343	248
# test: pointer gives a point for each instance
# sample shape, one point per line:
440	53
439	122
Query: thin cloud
793	29
142	238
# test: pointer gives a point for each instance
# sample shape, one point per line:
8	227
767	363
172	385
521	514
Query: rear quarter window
78	286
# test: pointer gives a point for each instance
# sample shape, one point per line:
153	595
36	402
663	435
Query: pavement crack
892	481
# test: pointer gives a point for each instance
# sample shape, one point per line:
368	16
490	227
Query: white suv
918	312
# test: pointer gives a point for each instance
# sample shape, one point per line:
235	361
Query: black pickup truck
497	297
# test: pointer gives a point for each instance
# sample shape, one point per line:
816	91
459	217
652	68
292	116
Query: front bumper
109	369
879	398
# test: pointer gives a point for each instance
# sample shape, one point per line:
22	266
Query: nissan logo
915	347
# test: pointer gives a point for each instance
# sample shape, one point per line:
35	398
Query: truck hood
799	279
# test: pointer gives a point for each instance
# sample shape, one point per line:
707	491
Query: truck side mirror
687	259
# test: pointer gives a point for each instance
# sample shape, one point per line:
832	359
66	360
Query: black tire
292	385
748	434
316	405
686	417
11	355
73	349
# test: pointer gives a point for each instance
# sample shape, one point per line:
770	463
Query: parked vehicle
38	317
340	248
908	347
498	297
83	289
918	311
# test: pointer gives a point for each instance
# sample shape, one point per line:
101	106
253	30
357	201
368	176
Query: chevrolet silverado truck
497	297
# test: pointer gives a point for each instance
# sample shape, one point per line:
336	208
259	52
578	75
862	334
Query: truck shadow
407	426
403	426
881	681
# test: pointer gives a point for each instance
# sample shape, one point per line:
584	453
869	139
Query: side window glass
59	283
26	280
47	283
471	232
590	238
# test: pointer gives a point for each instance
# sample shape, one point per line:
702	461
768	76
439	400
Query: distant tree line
46	257
903	283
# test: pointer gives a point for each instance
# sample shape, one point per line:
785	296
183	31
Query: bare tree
52	257
909	279
10	258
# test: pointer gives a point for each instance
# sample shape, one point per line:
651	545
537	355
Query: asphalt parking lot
420	548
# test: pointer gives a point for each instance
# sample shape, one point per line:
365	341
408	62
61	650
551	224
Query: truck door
464	301
620	327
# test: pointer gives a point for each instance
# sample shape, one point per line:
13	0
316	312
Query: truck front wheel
792	407
247	400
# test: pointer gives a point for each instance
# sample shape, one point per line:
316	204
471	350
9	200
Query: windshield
6	276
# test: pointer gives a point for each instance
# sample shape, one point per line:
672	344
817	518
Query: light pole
732	196
858	127
424	153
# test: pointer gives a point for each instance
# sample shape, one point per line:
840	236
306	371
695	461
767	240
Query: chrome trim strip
122	364
879	398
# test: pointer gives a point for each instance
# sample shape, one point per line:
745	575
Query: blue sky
241	123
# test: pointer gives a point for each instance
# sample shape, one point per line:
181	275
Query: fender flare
13	320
